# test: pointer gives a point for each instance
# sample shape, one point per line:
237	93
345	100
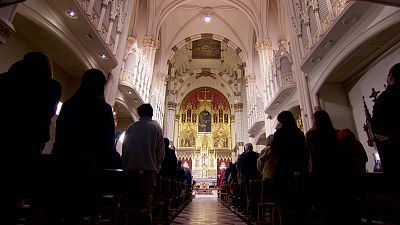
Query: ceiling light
102	56
276	103
207	18
130	92
71	14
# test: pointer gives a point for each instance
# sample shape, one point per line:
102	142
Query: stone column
298	54
266	54
149	51
129	68
239	128
170	120
158	97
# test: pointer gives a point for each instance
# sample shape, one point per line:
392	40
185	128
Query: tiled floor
207	210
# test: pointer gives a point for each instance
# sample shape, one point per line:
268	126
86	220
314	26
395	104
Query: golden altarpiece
204	139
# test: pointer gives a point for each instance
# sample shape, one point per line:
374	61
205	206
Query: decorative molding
149	42
172	105
238	107
264	44
130	41
207	36
284	46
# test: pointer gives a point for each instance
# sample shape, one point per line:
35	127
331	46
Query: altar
205	186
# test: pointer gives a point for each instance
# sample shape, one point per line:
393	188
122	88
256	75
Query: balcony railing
286	86
108	18
256	121
282	83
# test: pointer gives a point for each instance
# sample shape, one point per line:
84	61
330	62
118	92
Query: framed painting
206	49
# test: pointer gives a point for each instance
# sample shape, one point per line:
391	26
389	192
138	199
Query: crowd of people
85	145
322	169
290	157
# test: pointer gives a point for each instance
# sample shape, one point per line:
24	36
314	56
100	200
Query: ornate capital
131	40
264	44
249	78
284	46
172	105
238	107
149	42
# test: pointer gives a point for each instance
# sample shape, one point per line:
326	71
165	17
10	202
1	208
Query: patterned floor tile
207	211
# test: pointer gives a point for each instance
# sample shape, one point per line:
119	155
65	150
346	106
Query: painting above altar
204	122
206	49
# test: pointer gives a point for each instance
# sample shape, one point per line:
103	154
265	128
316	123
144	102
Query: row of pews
376	201
169	199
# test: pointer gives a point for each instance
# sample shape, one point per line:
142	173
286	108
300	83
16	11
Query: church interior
217	74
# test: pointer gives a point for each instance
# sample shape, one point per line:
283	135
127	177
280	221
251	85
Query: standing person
24	127
248	169
386	124
288	146
168	165
85	135
266	162
322	143
142	154
227	173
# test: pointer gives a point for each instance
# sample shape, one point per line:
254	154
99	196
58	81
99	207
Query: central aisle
207	210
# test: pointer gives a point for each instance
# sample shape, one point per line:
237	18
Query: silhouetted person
322	143
85	137
249	165
353	152
248	169
227	173
386	124
288	146
30	97
142	154
180	172
232	179
352	168
168	165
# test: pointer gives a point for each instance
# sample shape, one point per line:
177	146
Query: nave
207	210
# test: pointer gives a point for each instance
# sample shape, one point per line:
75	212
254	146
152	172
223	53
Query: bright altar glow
121	138
207	18
59	105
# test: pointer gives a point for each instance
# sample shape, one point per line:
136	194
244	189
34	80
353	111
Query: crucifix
205	93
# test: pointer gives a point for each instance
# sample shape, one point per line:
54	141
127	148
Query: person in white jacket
142	154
